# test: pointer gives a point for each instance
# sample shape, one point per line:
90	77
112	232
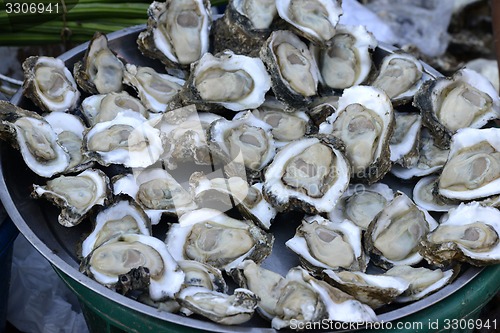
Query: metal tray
37	219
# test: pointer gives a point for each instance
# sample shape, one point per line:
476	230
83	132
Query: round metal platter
37	219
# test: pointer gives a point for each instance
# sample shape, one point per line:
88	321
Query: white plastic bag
39	301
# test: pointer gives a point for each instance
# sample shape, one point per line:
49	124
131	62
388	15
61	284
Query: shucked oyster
314	19
105	107
393	236
213	238
233	81
364	123
245	26
473	167
35	138
76	195
347	61
177	32
309	174
294	74
468	233
49	84
467	99
131	251
425	195
404	144
323	244
155	90
100	71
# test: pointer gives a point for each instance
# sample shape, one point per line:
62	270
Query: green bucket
456	313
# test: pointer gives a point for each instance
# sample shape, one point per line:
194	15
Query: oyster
364	122
346	62
244	26
468	233
155	90
105	107
203	276
373	290
393	236
130	251
431	159
233	81
323	244
423	281
473	167
405	139
361	203
294	73
309	174
224	193
177	32
467	99
185	130
49	84
100	71
128	139
35	138
425	195
400	76
245	142
156	191
75	195
213	238
123	216
69	129
219	307
314	19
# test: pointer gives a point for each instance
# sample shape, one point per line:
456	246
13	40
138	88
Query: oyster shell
123	216
423	281
468	233
322	108
100	71
213	238
69	129
346	62
472	170
185	130
246	143
373	290
364	122
156	191
467	99
244	26
75	195
313	19
201	275
400	76
127	139
236	82
49	84
425	195
219	307
177	32
105	107
131	251
322	244
393	236
35	138
404	143
154	89
361	203
294	73
309	174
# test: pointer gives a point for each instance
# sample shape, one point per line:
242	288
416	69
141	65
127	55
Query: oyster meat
364	122
49	84
309	174
75	195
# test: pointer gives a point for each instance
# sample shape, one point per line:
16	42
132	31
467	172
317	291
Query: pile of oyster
279	108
